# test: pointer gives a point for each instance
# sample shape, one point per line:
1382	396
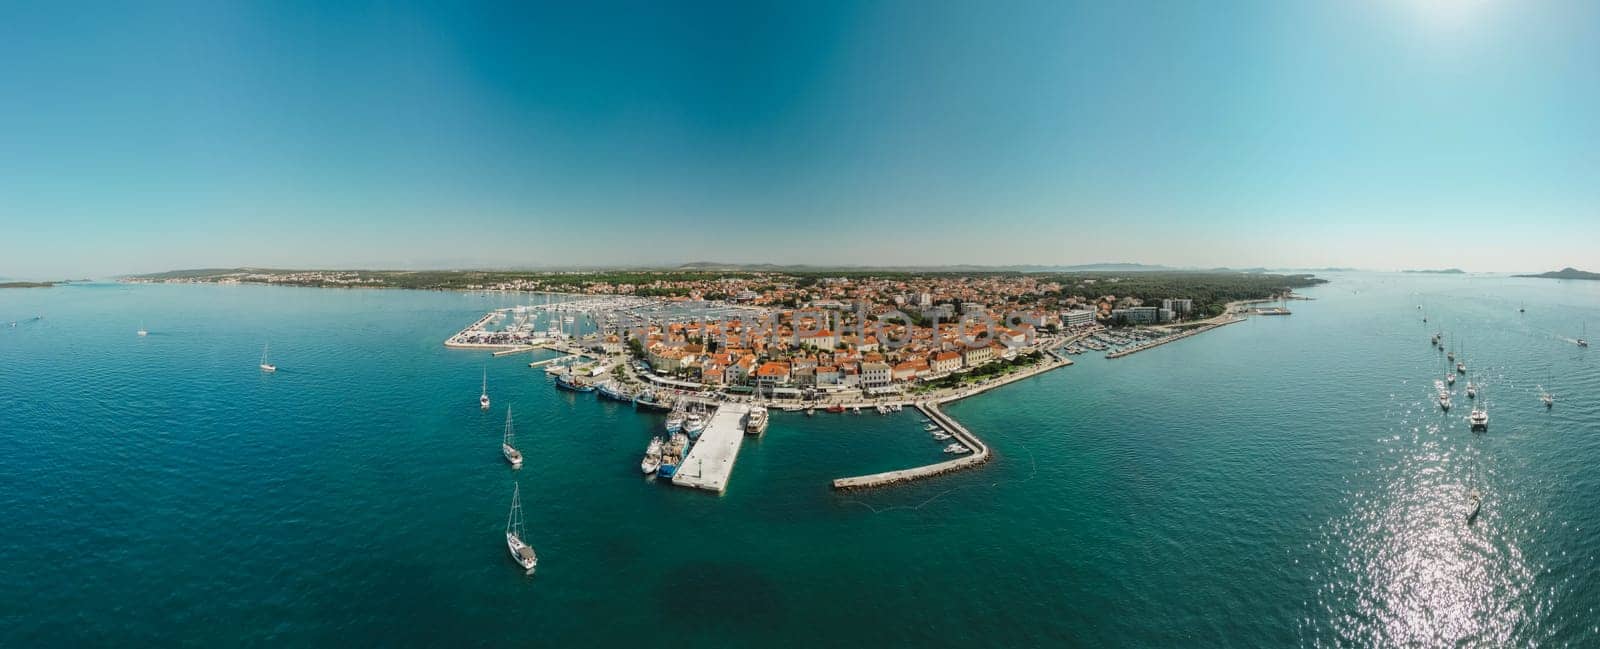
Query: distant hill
1566	273
1442	271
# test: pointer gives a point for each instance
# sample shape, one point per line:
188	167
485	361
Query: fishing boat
142	331
508	446
755	422
567	382
610	391
649	401
265	366
667	469
693	424
483	394
652	456
521	552
675	421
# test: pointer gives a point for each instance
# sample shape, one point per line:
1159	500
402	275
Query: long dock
980	454
710	461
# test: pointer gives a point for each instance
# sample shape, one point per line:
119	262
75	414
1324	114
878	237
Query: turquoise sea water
1281	482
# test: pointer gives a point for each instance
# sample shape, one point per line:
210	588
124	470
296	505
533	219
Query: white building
1077	318
875	374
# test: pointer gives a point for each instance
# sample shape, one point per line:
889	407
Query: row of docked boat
665	452
939	433
886	408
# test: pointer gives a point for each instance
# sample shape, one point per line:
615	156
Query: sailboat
142	330
1583	338
508	443
265	366
483	397
521	552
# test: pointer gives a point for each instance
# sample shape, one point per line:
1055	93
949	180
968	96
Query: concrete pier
980	454
710	461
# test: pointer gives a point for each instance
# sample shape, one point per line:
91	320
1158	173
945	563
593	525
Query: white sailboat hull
521	552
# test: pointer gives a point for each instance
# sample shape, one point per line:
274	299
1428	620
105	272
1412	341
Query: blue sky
1373	133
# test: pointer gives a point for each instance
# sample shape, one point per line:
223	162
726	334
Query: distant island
1566	273
28	284
1442	271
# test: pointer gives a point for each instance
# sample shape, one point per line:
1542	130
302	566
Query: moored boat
652	456
567	382
610	391
755	422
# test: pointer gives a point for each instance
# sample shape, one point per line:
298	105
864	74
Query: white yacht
1450	379
1444	400
755	422
508	443
521	552
1479	418
265	366
1472	390
957	449
483	396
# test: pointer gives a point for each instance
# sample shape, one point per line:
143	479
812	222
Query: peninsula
743	342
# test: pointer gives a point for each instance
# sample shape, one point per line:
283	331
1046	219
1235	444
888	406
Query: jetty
980	454
710	461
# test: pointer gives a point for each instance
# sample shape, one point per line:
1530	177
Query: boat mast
514	519
510	435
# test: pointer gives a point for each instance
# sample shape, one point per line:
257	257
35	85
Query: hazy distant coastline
1565	273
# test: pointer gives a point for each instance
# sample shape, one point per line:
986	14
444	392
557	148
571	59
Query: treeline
1210	291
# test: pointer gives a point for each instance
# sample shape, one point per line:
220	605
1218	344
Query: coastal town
717	349
835	345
